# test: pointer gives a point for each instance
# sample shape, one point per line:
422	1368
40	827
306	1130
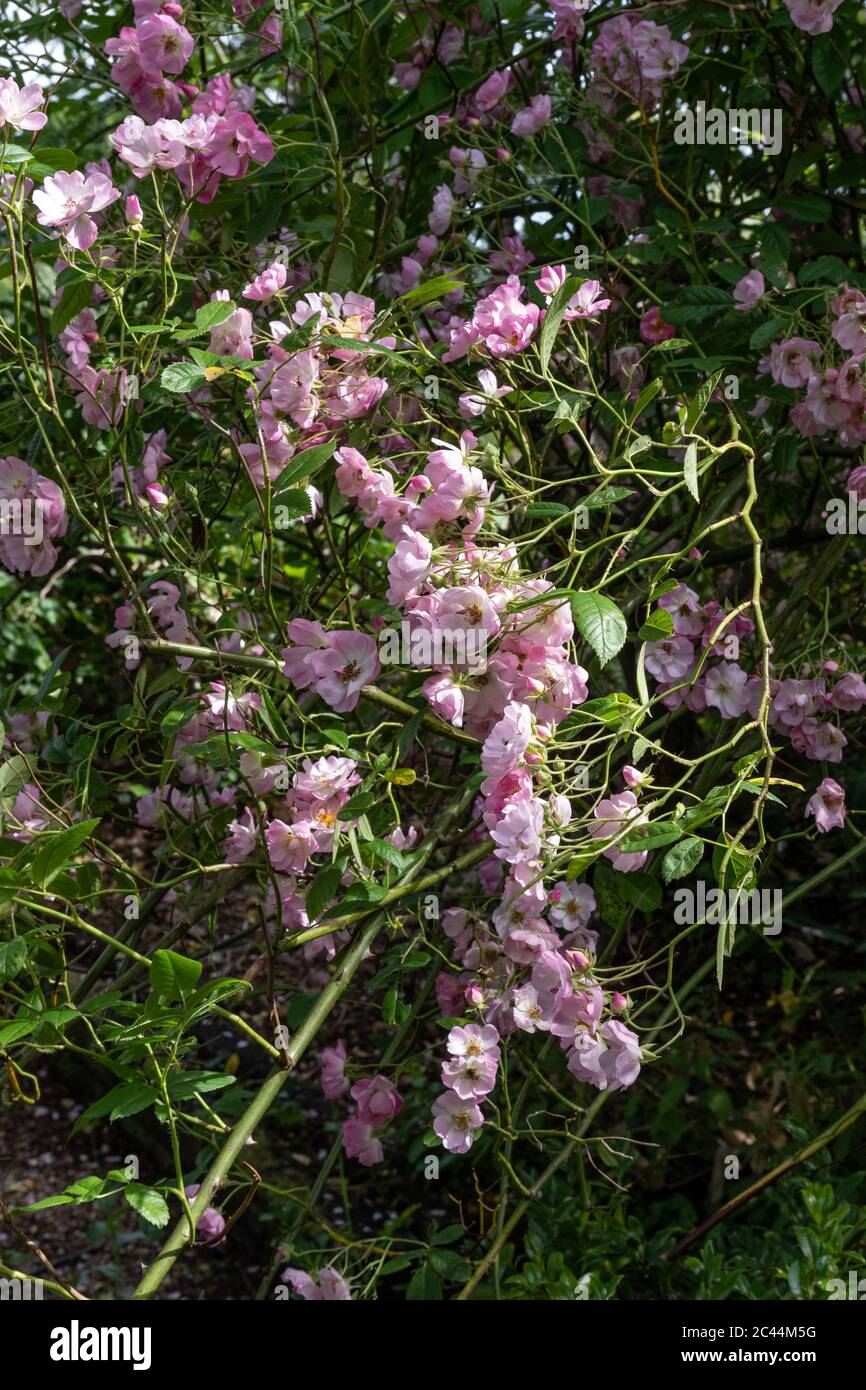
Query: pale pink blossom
455	1120
725	689
533	117
67	200
267	284
378	1100
748	291
19	106
613	814
361	1141
335	1083
331	1288
827	805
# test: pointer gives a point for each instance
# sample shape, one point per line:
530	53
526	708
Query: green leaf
437	288
547	509
606	497
806	207
697	406
385	853
177	716
642	890
775	251
120	1101
553	319
389	1007
649	393
828	64
55	853
361	895
185	1085
173	976
181	377
681	858
74	298
303	465
13	957
447	1235
14	775
18	1028
671	345
425	1286
322	889
608	888
357	805
650	835
54	157
208	316
295	501
600	623
148	1203
828	268
765	333
659	624
16	154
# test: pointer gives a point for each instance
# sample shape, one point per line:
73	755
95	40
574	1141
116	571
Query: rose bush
417	567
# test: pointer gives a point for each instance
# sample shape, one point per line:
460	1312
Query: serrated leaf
424	1286
172	976
13	957
58	851
642	890
177	717
658	625
600	623
828	63
612	902
208	316
74	298
181	377
14	155
295	501
765	333
185	1085
806	207
121	1101
553	318
829	268
681	858
18	1028
148	1203
436	288
648	394
698	404
650	835
303	465
322	890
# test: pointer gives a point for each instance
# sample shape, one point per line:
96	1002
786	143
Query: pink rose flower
455	1120
827	805
67	200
